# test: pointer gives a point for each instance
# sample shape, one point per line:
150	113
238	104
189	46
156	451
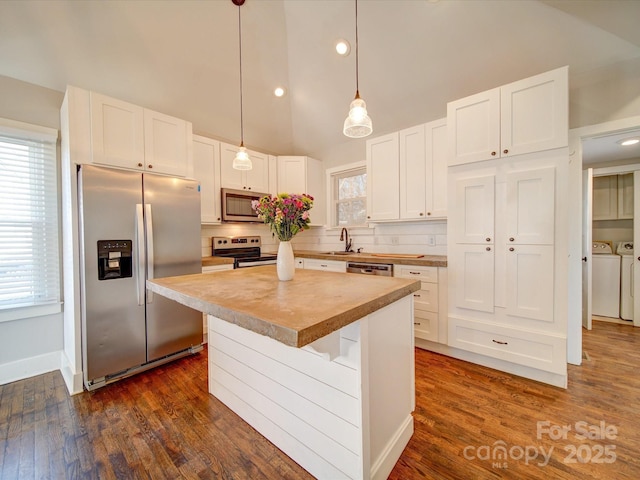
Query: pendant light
241	160
358	123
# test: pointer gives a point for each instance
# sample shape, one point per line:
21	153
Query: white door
636	250
587	220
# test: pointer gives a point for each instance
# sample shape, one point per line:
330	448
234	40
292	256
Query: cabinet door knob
421	214
149	166
139	164
488	239
505	151
488	249
369	216
428	213
493	154
511	249
511	239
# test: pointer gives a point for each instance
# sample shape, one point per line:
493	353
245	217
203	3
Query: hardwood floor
163	424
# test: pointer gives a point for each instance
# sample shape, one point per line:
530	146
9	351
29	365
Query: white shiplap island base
340	406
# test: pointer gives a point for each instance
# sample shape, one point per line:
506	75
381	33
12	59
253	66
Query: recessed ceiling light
628	141
279	92
343	47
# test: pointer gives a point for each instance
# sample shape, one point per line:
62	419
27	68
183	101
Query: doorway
592	148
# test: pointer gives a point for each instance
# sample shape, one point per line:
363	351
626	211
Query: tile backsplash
427	238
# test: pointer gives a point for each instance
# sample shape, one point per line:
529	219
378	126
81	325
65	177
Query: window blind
29	254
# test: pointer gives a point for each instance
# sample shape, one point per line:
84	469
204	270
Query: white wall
30	346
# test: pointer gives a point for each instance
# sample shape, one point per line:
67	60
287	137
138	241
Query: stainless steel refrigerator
135	226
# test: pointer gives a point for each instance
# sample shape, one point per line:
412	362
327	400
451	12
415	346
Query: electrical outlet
394	240
431	240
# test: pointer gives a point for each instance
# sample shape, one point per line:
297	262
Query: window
348	195
29	255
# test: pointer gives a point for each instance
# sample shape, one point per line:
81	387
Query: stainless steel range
246	251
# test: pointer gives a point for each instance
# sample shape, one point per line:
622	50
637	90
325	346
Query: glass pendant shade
357	124
242	160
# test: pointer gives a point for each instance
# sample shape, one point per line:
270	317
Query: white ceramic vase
285	264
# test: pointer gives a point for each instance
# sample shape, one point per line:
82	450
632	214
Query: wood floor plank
163	424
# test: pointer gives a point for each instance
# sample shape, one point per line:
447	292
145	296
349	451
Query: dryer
606	281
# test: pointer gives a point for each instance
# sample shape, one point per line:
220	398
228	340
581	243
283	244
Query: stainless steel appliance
383	269
236	205
246	251
133	227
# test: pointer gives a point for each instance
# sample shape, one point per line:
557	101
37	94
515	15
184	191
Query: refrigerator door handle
149	224
140	273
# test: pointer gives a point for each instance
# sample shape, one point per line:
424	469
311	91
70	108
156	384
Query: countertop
215	261
297	312
424	261
400	259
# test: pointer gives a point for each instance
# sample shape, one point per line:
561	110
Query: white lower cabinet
538	350
327	265
430	316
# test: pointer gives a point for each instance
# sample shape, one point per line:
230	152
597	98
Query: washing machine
625	250
606	281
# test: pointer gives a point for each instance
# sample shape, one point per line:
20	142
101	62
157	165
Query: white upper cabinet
436	158
407	174
206	170
166	143
128	136
413	173
526	116
256	179
474	127
300	174
613	197
383	179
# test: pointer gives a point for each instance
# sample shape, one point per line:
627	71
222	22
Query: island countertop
297	312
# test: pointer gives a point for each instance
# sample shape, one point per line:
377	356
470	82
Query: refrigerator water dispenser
114	259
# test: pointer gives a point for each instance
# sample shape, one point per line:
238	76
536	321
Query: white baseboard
384	464
554	379
72	379
29	367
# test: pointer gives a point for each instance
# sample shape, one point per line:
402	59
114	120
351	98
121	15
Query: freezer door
172	216
113	315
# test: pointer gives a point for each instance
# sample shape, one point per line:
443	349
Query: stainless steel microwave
236	205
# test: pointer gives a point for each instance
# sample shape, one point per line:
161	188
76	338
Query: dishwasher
386	270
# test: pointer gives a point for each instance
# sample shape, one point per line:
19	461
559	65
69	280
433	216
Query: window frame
332	173
49	136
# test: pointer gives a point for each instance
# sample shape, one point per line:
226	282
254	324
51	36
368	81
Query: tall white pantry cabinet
507	234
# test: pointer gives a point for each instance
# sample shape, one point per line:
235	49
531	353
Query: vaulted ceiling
181	57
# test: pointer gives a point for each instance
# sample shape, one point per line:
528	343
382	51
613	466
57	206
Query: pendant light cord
357	82
241	109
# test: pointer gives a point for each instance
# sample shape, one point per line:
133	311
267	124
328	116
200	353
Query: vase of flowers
286	214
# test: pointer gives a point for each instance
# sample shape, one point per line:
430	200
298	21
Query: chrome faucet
344	235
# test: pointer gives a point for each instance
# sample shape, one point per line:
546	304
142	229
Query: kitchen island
322	366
